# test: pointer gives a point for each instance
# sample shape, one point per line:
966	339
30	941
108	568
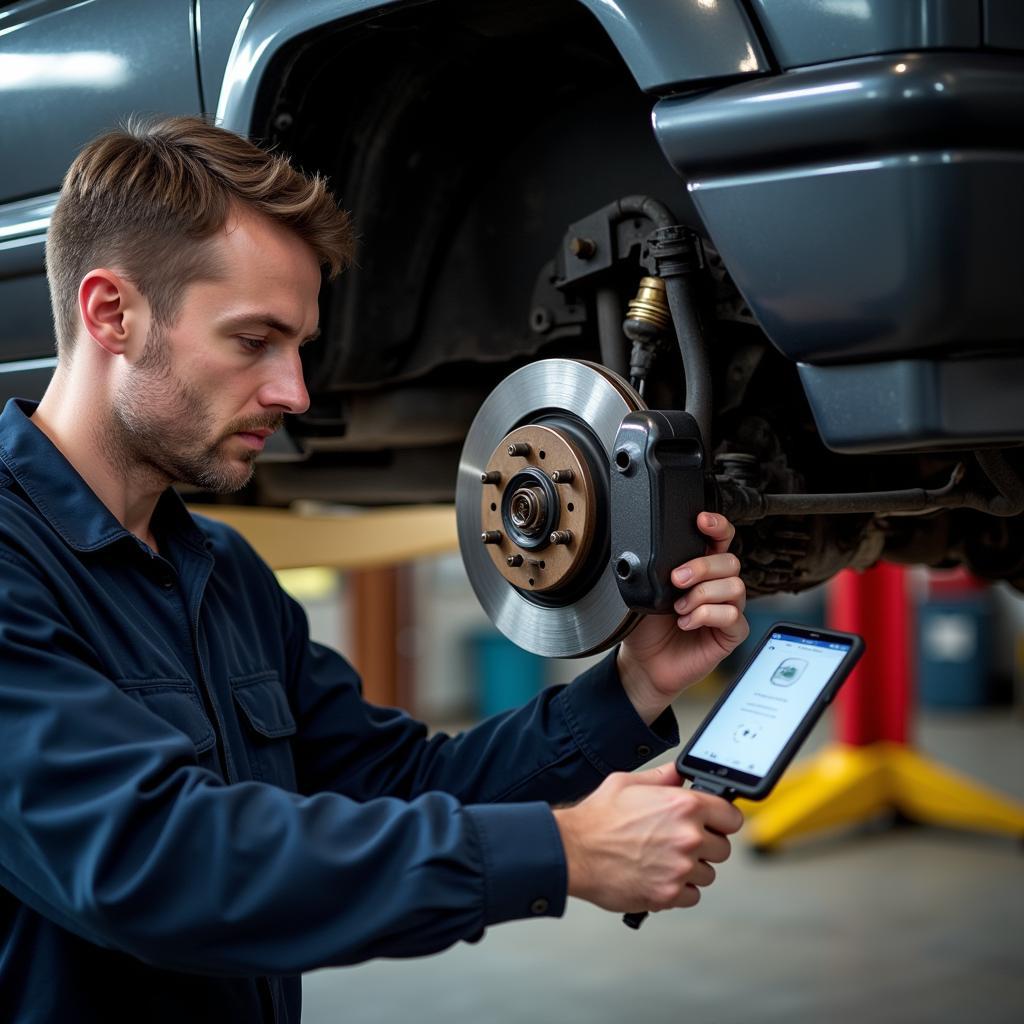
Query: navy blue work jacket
195	802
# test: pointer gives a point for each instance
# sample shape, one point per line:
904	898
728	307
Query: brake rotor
532	507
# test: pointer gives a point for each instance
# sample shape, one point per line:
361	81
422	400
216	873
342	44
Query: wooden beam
345	540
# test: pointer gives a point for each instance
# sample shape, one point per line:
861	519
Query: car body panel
663	44
675	43
217	24
25	329
865	209
876	407
65	76
77	68
801	33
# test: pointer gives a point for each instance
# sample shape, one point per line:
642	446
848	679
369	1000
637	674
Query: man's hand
641	842
665	654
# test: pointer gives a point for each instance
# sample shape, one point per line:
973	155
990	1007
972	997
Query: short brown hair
144	197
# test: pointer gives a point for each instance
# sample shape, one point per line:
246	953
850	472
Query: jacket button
643	750
539	906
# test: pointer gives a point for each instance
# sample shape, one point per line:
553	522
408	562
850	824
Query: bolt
492	476
519	448
563	476
491	536
582	248
283	121
561	537
540	320
514	561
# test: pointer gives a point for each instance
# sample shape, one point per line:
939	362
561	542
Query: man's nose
286	386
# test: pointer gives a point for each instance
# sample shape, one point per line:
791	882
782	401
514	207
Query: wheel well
463	136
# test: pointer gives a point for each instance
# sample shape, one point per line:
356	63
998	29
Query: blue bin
506	675
954	644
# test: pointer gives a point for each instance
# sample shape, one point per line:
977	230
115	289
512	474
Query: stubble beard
158	427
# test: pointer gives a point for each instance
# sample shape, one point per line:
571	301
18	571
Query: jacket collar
65	500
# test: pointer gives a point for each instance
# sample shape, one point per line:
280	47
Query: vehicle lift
872	768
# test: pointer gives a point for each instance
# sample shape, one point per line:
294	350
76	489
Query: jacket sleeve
109	827
556	748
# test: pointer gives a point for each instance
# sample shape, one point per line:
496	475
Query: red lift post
872	768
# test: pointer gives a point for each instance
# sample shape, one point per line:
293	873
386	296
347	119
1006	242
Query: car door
68	70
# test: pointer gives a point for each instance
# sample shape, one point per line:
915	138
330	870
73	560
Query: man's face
198	403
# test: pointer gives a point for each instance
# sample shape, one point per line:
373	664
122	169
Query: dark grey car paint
74	69
25	327
867	208
69	70
217	22
875	407
801	33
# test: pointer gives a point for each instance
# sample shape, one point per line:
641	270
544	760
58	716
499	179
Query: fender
663	44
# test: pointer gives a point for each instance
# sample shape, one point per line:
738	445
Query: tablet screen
767	705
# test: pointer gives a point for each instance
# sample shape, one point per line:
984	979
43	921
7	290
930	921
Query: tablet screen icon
789	671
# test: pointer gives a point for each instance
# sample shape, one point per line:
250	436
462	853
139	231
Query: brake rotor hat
512	514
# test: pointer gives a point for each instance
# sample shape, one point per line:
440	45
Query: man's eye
253	344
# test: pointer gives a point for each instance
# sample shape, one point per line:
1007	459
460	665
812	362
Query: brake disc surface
554	599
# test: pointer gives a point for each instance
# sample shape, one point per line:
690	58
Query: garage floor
907	924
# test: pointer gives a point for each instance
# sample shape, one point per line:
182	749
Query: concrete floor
910	924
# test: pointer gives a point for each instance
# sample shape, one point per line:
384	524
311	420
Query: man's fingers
722	816
716	849
689	896
663	775
707	567
728	591
726	618
717	529
703	874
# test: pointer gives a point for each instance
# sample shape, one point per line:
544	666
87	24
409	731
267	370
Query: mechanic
195	802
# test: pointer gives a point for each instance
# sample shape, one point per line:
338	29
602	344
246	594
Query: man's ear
113	311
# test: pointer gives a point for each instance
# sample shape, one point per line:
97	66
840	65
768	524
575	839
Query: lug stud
519	448
491	536
514	561
561	537
492	476
563	476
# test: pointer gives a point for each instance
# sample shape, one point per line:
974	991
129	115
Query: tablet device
757	726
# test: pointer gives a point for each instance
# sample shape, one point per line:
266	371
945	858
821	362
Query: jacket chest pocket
178	704
268	725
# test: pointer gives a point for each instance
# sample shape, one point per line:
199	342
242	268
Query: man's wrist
648	703
564	823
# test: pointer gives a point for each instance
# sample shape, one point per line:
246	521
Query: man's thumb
663	775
